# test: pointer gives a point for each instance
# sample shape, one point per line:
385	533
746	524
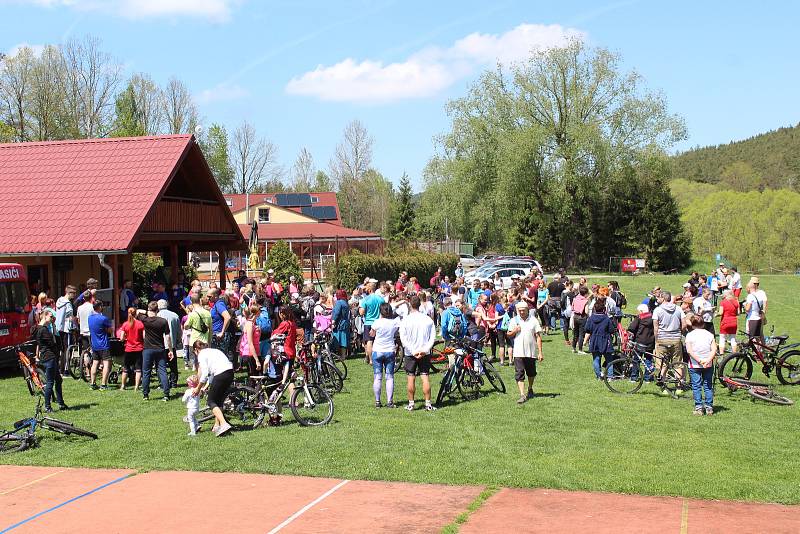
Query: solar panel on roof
322	213
282	199
302	199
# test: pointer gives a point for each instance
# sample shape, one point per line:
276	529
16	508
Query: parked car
468	261
505	275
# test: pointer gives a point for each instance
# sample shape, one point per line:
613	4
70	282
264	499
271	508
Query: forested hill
767	161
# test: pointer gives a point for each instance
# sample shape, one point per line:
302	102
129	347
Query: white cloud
215	10
37	49
221	92
428	71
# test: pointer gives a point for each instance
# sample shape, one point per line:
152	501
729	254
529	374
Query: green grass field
574	435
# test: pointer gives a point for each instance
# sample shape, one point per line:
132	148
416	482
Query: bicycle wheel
445	387
336	361
74	361
28	380
86	366
627	376
736	365
240	402
113	377
205	415
66	428
768	395
677	378
494	377
15	441
330	378
469	384
789	368
311	405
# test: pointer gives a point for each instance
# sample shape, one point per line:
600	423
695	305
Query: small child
192	405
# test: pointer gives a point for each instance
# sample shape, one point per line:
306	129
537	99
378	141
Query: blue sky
301	70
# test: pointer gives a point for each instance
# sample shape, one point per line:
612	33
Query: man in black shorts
417	334
100	330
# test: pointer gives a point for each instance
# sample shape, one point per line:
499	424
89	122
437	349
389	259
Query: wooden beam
223	273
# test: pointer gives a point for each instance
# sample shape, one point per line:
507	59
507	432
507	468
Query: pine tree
404	222
215	149
664	242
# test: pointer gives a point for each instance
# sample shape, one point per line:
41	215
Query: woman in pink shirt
249	343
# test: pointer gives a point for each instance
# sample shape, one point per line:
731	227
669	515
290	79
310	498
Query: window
263	215
229	202
314	200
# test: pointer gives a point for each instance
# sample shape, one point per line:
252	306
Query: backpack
567	308
455	327
203	326
263	321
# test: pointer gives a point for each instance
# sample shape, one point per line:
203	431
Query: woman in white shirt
702	349
384	331
215	375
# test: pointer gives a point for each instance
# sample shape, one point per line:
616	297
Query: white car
468	261
505	275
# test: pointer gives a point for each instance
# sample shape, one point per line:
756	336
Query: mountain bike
757	390
321	370
463	377
770	353
626	374
323	343
24	434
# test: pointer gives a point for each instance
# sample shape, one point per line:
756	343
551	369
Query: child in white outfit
192	405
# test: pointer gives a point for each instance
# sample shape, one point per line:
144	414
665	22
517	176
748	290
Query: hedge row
355	266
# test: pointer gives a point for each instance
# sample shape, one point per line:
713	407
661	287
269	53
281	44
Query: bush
284	262
354	266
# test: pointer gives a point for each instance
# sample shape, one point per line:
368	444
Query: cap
162	304
373	281
687	284
515	276
754	280
521	304
292	278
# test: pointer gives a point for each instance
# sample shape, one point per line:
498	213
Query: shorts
98	355
414	366
133	362
524	366
755	328
501	338
365	337
669	350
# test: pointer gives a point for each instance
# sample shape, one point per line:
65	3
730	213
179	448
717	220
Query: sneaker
522	399
48	410
410	406
146	398
530	394
574	351
63	407
430	407
582	352
378	404
223	429
391	405
103	388
698	410
165	398
215	427
93	387
709	410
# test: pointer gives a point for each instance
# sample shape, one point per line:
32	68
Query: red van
14	327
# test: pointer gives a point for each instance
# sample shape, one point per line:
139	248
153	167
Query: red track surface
55	500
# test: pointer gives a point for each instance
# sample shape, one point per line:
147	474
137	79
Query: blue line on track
56	507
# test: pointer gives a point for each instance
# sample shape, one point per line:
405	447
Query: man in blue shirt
220	318
369	308
100	330
473	293
160	292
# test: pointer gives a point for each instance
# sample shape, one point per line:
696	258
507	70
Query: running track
55	500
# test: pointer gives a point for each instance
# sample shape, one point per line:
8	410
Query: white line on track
305	508
32	482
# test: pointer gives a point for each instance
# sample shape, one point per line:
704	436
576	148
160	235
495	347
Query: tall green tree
284	262
215	149
128	117
558	128
403	229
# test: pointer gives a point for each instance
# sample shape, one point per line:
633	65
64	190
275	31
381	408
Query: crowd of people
205	325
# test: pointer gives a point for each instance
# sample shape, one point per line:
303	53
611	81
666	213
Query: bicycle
322	371
24	434
757	390
463	377
323	343
626	374
772	354
309	403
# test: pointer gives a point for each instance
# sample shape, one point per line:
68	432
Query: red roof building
66	207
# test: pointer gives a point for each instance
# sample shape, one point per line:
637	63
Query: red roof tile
298	231
82	195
